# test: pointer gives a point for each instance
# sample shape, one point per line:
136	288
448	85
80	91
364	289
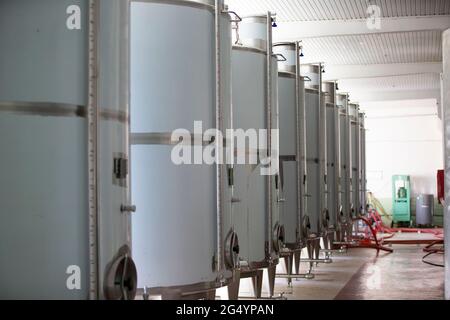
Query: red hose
367	242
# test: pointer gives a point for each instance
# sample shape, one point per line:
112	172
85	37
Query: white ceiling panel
381	48
316	10
426	81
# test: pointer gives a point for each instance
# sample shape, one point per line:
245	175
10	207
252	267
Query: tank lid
329	88
312	73
252	31
288	51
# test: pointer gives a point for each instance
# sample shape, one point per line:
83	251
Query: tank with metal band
314	155
255	107
353	110
345	218
291	86
64	135
181	80
333	161
316	177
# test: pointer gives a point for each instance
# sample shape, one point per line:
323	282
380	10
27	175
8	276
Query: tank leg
326	241
310	249
317	249
271	271
297	257
257	283
211	295
233	287
288	264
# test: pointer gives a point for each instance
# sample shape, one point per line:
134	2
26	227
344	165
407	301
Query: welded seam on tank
312	90
51	109
285	74
198	4
249	49
44	109
165	138
111	115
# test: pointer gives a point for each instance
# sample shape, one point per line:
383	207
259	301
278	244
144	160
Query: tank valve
120	281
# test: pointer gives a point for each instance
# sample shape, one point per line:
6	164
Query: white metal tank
255	211
355	158
333	154
345	182
64	231
183	236
362	169
315	180
292	143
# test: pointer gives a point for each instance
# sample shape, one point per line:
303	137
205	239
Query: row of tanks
106	131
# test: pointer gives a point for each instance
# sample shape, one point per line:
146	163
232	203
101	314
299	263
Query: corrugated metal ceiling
382	48
424	81
315	10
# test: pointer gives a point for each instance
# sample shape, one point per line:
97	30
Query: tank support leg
271	271
211	295
317	249
233	287
288	264
297	257
310	247
257	283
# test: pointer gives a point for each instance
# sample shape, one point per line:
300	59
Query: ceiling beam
336	72
370	96
295	31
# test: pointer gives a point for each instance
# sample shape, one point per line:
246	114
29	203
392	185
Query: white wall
403	137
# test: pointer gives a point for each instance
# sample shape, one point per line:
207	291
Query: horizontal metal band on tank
255	43
312	90
111	115
199	4
249	49
51	109
45	109
165	138
287	69
288	158
286	74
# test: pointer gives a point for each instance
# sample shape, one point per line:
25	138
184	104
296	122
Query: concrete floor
360	274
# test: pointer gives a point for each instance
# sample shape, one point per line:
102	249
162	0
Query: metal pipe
269	130
333	250
92	118
219	116
327	261
307	276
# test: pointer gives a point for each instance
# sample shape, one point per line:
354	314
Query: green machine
401	199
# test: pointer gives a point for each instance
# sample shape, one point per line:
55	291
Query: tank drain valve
128	208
